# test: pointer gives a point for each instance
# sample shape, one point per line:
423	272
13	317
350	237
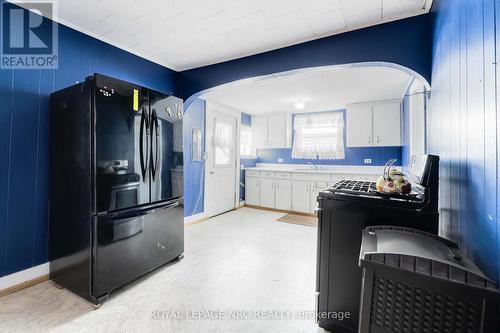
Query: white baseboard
18	278
195	217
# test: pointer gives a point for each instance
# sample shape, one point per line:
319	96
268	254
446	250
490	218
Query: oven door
131	243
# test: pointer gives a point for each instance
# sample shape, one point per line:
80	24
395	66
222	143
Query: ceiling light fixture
299	105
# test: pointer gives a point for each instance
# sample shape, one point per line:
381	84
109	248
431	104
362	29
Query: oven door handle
154	136
144	160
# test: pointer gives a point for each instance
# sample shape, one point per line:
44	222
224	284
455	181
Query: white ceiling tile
316	7
185	34
355	7
398	7
321	90
326	22
274	8
363	19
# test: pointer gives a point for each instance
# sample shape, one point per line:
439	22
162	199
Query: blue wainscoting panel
24	136
463	126
194	118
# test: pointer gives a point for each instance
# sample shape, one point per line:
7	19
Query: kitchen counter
341	169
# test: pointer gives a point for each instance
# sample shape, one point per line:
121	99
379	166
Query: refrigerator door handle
154	136
144	161
129	213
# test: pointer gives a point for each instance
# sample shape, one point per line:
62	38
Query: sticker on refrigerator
136	100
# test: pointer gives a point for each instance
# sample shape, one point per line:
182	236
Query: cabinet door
359	125
315	189
283	194
252	191
387	124
267	192
259	132
300	196
277	130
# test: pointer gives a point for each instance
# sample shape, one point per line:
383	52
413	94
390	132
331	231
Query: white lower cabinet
316	187
283	194
252	191
291	191
267	192
301	196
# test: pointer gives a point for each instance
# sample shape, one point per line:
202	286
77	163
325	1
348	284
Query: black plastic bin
416	282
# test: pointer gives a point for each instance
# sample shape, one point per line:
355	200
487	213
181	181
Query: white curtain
223	134
319	135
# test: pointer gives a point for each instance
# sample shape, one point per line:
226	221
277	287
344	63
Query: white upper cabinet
359	125
277	130
272	130
387	124
374	124
259	132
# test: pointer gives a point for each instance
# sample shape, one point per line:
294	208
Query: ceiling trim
56	18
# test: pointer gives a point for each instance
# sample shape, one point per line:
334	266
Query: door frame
211	106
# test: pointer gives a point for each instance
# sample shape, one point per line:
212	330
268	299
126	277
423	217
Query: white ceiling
184	34
319	90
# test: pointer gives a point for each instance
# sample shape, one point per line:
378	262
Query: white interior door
220	166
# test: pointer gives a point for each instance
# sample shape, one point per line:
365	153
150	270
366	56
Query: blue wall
194	117
353	156
404	42
463	125
24	137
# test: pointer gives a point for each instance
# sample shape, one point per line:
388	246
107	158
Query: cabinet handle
307	188
369	140
378	139
278	186
257	182
272	185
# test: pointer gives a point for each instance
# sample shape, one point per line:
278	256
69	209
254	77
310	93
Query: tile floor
240	261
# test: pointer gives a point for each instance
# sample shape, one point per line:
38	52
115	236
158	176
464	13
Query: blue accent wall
353	156
194	187
463	125
403	42
24	136
246	119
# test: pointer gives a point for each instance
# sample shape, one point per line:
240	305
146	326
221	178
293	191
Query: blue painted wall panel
246	119
24	136
194	118
463	126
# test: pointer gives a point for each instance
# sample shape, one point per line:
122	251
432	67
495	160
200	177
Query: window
246	141
319	135
224	143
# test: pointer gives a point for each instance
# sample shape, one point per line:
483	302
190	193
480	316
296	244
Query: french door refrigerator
116	201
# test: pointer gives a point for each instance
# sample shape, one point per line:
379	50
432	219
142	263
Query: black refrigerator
116	201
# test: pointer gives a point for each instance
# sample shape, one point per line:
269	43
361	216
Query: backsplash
353	156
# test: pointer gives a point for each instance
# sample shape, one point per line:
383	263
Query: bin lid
421	252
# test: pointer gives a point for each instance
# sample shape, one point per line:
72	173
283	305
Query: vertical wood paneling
464	126
24	137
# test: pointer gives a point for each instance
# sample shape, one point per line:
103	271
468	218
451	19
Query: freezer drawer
132	243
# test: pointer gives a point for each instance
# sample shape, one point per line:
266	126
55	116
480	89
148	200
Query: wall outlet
368	161
280	160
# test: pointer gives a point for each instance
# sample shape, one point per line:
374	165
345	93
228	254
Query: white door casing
220	166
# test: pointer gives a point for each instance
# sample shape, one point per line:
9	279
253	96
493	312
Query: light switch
368	161
280	160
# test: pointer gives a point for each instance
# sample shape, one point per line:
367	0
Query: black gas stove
354	187
345	209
